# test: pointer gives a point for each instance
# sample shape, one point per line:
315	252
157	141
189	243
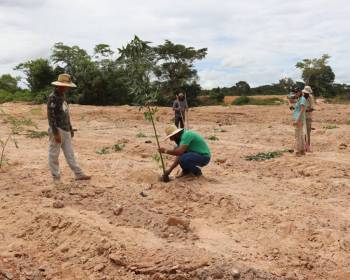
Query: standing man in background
310	107
60	129
180	107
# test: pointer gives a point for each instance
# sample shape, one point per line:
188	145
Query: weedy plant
267	155
36	134
107	150
16	126
213	138
330	126
140	135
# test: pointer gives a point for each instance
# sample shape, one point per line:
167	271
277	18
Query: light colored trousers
308	130
54	152
299	138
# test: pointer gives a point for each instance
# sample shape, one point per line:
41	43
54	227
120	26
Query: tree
39	73
317	74
243	88
286	83
175	67
9	83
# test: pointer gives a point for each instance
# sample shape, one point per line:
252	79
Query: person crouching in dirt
60	129
299	122
180	107
191	152
307	93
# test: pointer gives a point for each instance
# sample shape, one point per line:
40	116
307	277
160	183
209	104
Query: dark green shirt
58	112
195	143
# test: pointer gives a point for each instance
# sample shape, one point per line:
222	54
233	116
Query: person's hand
162	150
58	139
297	123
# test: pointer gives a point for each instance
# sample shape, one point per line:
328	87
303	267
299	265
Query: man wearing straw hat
60	129
180	107
191	152
307	92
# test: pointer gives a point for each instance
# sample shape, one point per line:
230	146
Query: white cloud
252	40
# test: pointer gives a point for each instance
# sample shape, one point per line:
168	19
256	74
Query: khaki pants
54	152
299	139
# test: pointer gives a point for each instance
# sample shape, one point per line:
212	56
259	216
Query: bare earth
285	218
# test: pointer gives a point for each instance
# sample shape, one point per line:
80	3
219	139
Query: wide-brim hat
64	80
307	89
172	130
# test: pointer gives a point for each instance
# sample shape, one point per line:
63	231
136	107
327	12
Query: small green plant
107	150
348	122
219	130
16	126
264	156
35	111
103	151
140	135
330	126
36	134
118	147
213	138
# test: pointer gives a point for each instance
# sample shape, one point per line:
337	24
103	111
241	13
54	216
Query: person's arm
176	106
52	106
173	166
175	152
302	110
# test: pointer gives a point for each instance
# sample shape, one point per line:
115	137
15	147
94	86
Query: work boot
83	178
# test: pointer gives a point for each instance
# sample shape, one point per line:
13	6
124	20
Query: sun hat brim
59	84
174	133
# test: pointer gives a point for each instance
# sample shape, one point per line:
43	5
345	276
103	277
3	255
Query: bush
245	100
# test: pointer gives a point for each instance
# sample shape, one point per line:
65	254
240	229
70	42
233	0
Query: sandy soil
285	218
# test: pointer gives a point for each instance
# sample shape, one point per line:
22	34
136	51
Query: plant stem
155	133
3	150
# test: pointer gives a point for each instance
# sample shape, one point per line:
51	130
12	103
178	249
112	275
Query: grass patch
213	138
107	150
267	155
36	134
36	111
140	135
245	100
330	126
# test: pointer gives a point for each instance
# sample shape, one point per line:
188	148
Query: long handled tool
165	177
187	117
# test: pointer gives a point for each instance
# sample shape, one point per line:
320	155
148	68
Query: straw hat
307	89
64	80
172	130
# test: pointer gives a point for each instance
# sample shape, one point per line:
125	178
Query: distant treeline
103	78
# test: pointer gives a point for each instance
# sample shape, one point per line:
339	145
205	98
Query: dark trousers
190	161
180	120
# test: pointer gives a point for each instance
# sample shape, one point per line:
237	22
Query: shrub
213	138
245	100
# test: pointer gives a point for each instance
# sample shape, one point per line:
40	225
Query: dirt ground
284	218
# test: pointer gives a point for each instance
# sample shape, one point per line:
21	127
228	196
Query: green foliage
118	147
317	74
9	83
243	88
140	135
264	156
36	134
330	126
39	74
107	150
103	151
245	100
213	138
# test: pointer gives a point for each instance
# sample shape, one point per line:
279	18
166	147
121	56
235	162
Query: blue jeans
190	161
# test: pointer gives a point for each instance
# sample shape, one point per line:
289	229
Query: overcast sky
258	41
